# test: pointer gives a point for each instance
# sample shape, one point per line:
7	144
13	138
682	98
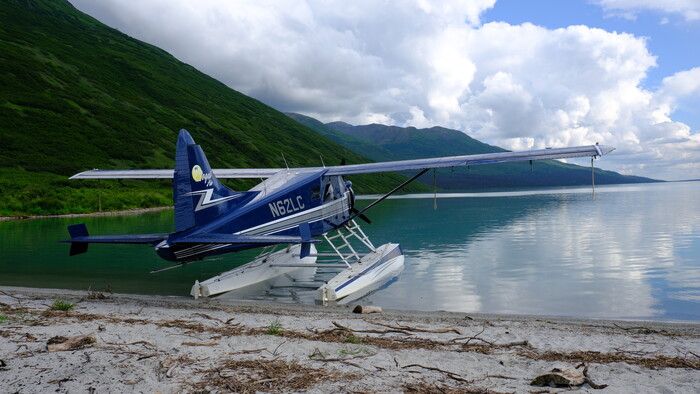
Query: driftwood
58	343
414	329
199	344
143	343
451	375
563	375
248	351
399	331
364	309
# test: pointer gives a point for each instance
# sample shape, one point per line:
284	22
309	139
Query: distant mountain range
384	143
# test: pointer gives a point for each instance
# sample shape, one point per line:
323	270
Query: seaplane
292	209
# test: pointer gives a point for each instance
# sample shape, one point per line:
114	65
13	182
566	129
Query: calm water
633	252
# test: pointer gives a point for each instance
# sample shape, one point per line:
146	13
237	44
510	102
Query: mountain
369	148
77	95
382	143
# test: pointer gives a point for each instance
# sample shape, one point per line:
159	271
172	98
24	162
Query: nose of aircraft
348	185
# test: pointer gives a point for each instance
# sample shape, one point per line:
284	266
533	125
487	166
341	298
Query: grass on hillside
29	193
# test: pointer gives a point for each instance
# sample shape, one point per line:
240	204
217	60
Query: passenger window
316	192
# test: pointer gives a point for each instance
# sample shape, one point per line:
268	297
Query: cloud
423	64
688	9
681	84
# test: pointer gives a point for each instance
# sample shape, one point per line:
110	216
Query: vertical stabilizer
184	209
198	196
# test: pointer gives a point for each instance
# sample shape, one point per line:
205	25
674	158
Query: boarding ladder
344	248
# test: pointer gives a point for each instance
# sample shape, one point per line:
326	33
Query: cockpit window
328	193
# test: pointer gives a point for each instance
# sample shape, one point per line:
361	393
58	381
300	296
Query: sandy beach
132	343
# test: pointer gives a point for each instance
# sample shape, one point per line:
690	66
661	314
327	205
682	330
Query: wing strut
394	190
593	176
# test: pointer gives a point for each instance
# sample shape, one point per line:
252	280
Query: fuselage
279	206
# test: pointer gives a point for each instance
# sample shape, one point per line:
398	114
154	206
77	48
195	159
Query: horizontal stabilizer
120	239
212	238
80	239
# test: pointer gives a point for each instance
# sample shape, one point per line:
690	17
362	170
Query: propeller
354	210
361	215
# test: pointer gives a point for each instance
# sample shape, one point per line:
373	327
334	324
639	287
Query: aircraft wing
471	160
388	166
168	174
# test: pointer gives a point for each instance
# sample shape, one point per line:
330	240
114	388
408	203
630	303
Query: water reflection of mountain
625	254
439	272
416	225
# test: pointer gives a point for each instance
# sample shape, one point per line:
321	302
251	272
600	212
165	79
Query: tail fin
198	196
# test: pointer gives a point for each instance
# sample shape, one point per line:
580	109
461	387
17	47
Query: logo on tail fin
197	173
205	200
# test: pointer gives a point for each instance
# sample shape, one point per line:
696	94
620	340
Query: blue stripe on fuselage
294	193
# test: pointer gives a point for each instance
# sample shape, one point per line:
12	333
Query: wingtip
605	149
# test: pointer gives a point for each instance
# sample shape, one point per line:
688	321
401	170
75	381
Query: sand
131	343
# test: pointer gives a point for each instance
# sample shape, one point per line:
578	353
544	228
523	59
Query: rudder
198	196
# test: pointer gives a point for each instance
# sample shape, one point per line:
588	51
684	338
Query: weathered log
367	309
59	343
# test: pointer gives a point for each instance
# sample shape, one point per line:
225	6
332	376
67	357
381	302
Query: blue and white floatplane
291	208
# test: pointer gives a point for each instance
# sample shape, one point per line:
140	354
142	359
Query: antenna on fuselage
322	163
285	161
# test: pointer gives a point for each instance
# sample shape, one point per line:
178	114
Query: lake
632	252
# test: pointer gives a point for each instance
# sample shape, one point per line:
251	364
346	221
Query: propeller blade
362	216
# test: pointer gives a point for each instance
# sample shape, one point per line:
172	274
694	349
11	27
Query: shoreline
172	343
78	215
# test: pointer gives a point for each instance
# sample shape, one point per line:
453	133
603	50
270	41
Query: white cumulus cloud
425	64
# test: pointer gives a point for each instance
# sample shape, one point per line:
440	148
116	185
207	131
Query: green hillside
380	142
78	95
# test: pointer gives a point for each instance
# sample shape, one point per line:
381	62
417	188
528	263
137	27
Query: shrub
60	305
275	327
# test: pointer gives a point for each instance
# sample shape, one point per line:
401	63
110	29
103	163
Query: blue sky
673	40
517	74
